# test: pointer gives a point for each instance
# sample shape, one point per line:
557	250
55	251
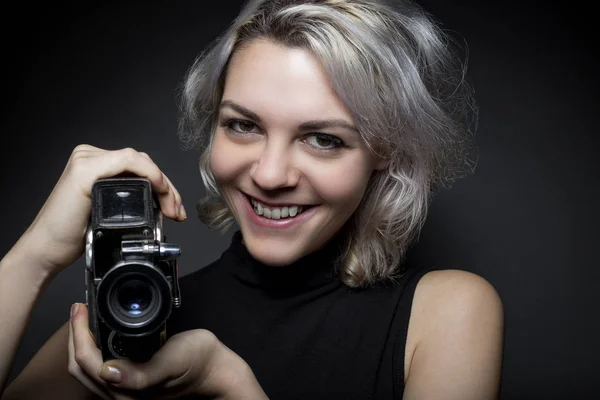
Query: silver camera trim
124	264
89	248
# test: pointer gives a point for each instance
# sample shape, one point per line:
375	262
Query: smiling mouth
271	212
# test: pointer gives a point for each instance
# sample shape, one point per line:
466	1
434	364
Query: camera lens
134	300
134	296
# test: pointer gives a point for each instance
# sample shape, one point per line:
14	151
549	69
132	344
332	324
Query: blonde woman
326	127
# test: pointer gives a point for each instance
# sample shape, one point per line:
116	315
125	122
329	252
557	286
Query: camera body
131	272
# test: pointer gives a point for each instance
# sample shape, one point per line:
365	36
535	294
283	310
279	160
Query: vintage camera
131	274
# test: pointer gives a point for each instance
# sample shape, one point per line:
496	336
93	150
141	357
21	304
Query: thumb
125	374
166	364
186	358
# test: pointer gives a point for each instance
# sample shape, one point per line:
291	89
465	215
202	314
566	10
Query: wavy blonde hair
402	78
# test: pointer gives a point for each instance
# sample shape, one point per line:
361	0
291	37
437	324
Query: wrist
22	260
243	384
231	378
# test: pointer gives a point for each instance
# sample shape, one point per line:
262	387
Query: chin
261	252
274	260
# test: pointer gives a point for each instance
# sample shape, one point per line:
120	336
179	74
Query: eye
323	141
239	125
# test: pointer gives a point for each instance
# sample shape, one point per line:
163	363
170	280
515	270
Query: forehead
276	81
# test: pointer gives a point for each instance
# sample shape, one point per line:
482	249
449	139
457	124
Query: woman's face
286	155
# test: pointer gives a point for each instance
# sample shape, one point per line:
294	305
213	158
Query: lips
276	205
281	223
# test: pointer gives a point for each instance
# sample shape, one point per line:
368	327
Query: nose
274	168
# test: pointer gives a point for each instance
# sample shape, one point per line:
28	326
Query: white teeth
266	212
275	212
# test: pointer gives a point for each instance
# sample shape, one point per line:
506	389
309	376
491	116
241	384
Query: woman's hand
190	363
55	239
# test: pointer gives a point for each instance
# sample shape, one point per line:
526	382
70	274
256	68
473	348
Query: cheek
342	184
224	159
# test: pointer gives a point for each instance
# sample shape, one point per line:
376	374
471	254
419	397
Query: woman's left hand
190	363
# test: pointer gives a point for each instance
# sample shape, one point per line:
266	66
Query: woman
326	127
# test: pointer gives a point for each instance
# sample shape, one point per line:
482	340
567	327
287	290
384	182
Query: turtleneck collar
311	271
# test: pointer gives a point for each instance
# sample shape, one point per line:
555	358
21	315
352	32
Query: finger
177	204
85	148
175	367
82	151
129	160
93	164
76	371
86	353
142	376
180	210
87	370
88	358
142	165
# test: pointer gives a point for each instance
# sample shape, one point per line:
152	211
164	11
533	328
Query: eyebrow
242	110
305	126
328	123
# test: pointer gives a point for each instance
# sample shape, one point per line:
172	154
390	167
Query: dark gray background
107	74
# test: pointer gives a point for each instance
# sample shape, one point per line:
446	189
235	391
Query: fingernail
110	374
74	309
182	212
165	183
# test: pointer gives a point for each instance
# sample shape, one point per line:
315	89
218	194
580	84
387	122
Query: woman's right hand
56	238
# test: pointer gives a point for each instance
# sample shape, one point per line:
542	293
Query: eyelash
229	124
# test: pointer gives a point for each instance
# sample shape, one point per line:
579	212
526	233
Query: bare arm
55	240
20	288
47	376
456	331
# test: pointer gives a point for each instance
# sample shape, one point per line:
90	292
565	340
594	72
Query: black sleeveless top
304	334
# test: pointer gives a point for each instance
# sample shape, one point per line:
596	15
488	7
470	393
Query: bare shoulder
455	337
457	292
